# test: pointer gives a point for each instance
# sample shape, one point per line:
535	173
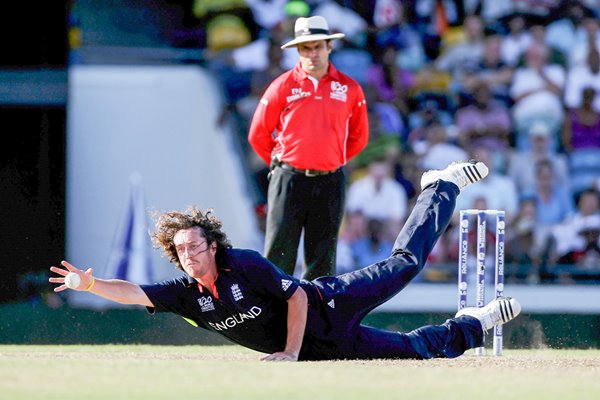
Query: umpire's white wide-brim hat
311	29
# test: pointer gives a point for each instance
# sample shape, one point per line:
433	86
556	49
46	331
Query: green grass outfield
231	372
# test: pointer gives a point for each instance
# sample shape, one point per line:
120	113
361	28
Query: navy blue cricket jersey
249	305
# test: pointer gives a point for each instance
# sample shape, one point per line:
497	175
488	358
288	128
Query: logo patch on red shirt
297	93
339	91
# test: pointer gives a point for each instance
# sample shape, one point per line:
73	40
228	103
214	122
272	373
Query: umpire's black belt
305	172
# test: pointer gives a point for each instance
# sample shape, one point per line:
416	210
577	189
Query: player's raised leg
362	290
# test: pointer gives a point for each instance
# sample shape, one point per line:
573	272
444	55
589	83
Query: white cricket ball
72	280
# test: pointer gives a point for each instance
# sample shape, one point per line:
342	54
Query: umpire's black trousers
314	204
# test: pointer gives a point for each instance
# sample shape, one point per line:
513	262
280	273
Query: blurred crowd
515	84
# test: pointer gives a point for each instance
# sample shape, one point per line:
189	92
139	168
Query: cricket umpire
241	295
310	122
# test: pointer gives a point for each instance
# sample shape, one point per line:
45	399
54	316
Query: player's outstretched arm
117	290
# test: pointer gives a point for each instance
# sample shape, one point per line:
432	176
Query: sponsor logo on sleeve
285	284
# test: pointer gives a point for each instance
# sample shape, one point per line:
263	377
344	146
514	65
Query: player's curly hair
168	223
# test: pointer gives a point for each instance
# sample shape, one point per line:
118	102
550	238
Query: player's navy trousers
348	298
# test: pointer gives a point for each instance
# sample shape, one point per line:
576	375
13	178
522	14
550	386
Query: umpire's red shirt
310	127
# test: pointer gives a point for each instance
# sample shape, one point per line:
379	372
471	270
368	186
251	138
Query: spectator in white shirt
537	92
378	196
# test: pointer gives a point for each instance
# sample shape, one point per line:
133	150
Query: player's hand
86	277
280	356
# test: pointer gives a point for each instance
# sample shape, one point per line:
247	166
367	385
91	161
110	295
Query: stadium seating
584	167
353	62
